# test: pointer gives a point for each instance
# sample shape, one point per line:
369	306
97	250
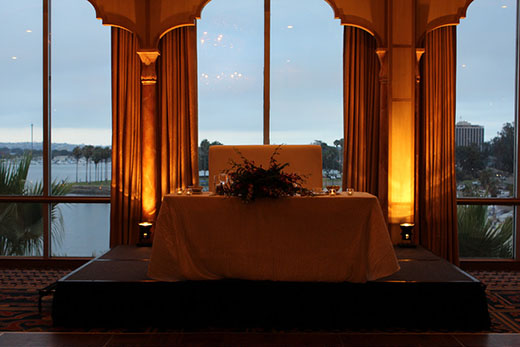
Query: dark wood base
113	291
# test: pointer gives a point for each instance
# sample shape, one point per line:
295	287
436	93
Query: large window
230	65
486	131
306	73
285	82
55	131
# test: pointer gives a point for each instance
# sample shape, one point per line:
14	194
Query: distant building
467	134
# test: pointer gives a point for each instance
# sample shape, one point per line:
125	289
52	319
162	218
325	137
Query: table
320	238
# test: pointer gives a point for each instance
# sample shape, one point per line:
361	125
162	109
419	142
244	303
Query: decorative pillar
418	54
401	139
383	130
149	121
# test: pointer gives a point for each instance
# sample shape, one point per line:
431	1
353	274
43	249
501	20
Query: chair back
304	160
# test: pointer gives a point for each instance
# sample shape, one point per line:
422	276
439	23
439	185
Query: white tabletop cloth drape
321	238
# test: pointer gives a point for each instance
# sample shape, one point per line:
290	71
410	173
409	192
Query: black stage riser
240	304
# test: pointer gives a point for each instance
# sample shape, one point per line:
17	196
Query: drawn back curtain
436	208
125	209
363	141
177	77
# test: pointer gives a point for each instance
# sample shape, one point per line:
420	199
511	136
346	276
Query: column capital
148	57
148	72
383	61
418	54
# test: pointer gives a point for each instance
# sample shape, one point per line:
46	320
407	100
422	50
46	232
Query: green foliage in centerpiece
249	181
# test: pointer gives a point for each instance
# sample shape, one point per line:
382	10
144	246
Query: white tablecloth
320	238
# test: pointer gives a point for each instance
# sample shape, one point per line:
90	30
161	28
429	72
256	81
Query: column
149	130
401	141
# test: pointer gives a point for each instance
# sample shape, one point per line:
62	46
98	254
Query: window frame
46	199
492	263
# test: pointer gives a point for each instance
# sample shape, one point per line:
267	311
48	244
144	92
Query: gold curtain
125	209
175	126
177	66
436	208
363	141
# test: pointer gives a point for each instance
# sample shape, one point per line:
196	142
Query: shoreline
93	189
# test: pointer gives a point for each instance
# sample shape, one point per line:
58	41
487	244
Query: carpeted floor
19	300
503	294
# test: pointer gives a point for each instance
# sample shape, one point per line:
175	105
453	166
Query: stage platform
114	291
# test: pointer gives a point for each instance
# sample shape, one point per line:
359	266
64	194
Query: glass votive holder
189	191
333	190
179	191
350	191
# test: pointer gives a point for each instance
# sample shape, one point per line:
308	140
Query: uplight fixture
406	234
145	234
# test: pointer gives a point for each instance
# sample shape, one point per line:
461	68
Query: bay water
86	227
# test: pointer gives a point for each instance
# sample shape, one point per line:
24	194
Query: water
66	171
87	226
87	230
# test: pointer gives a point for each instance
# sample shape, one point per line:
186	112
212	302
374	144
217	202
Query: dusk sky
486	45
80	93
306	71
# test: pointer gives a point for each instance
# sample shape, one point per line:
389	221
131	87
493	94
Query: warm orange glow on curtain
146	122
177	66
401	161
149	132
362	133
125	209
436	189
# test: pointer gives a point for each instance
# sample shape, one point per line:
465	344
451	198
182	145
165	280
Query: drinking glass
222	179
222	182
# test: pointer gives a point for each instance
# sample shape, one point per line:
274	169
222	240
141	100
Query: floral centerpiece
249	181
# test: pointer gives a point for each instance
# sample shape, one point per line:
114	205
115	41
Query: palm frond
13	175
21	224
481	236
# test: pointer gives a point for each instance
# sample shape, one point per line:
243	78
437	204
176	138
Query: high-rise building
467	134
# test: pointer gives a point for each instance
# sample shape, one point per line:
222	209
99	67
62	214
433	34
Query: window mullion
267	68
46	123
516	171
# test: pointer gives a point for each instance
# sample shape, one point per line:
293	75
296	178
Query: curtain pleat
436	189
177	68
362	123
125	209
